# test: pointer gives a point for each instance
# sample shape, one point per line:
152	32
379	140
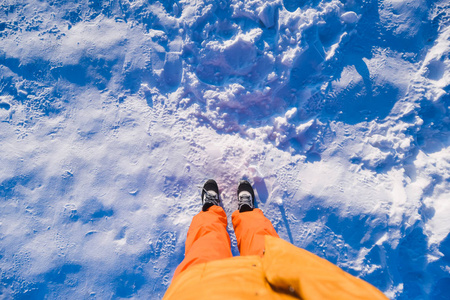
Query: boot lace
210	197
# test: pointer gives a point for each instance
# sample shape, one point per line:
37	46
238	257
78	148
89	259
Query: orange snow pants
208	239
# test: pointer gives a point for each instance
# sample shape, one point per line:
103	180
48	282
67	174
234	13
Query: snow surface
114	112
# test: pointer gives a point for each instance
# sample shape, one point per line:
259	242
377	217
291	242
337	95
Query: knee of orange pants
207	239
250	228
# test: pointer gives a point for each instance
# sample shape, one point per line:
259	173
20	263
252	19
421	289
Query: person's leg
207	239
250	228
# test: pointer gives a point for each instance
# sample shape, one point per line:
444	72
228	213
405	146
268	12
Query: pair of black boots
245	194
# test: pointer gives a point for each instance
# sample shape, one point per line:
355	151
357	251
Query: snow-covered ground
114	112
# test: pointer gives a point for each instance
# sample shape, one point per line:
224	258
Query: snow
349	17
114	113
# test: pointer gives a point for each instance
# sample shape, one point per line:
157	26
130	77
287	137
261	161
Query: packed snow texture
114	112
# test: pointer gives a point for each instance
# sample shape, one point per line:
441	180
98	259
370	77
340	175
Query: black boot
210	194
246	196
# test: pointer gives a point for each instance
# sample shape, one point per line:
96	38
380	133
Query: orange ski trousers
208	239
